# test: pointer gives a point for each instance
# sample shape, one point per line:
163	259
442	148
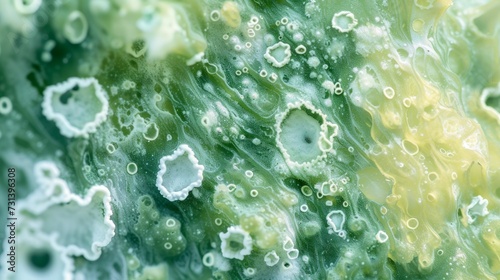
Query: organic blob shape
477	207
236	243
303	134
278	55
344	21
179	174
88	225
38	257
77	106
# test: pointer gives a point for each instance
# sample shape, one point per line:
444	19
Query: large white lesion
38	256
179	174
278	55
87	223
304	135
78	106
82	226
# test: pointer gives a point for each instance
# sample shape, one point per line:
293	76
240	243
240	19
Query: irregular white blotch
209	119
313	62
271	258
87	221
336	48
329	85
195	59
278	55
236	243
381	236
179	173
344	21
222	109
477	207
78	106
45	170
475	142
304	135
52	189
336	219
38	257
370	39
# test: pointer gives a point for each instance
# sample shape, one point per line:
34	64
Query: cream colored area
431	158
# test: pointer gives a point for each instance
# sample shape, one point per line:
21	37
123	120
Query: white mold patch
271	258
278	55
477	207
87	220
78	106
38	257
336	219
303	134
381	236
344	21
370	39
88	225
236	243
179	174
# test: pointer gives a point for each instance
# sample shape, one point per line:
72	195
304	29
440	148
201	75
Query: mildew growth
78	106
252	139
236	243
278	55
303	133
179	174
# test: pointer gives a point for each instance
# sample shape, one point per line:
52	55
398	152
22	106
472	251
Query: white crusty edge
64	126
95	251
179	195
328	132
247	243
38	202
272	60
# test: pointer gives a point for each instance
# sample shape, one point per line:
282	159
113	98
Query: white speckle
313	62
5	105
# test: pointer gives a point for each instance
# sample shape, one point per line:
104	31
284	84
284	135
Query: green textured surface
387	125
